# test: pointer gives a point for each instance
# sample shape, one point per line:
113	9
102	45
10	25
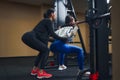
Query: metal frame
99	60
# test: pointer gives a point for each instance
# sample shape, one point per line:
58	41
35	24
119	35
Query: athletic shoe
87	73
43	74
62	67
34	71
83	72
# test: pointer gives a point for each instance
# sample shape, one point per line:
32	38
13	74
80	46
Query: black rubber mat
19	69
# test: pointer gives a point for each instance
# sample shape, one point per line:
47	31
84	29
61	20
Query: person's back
41	30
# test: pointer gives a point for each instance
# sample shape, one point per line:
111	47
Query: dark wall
116	39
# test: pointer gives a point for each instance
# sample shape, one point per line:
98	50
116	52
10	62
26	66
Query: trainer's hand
51	39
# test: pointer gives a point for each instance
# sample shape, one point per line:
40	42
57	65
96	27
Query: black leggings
30	39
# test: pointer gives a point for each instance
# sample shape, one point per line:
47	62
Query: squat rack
97	16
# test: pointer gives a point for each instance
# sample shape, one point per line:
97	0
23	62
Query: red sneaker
43	74
34	71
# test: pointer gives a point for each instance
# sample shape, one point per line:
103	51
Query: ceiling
79	5
33	2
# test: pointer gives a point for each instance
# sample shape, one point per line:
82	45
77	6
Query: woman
63	48
38	39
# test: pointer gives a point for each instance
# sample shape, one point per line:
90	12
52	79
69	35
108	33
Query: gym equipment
98	18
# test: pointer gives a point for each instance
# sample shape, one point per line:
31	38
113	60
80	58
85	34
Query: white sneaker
62	67
87	73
